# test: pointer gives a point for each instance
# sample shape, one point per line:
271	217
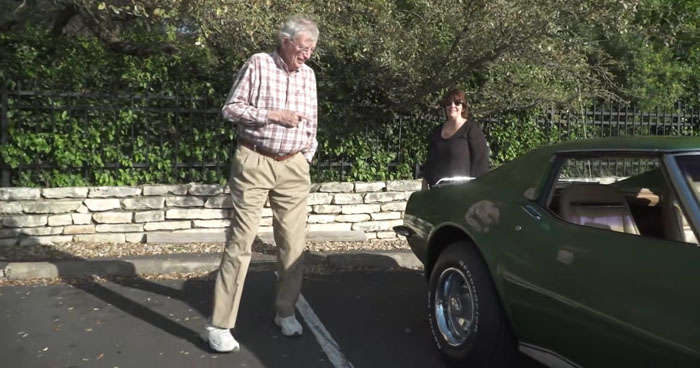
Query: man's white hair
297	24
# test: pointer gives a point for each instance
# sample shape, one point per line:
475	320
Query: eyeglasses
303	49
454	102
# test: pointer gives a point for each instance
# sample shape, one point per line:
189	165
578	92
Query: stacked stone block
30	216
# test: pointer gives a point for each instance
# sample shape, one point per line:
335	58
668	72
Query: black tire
467	322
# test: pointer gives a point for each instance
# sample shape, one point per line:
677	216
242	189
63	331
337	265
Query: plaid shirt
262	85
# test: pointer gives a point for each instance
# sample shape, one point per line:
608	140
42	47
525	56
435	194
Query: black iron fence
609	119
63	130
47	131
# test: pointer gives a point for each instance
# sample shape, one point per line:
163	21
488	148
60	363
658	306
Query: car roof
629	143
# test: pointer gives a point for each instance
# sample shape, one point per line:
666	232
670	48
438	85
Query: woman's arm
479	151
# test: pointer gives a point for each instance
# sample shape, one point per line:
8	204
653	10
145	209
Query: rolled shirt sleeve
237	107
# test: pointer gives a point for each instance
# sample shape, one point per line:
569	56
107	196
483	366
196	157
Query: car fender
448	233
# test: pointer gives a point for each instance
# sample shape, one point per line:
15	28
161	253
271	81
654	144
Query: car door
586	296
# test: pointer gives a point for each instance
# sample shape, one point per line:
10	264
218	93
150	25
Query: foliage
660	55
398	54
95	134
513	136
386	147
510	55
381	67
125	142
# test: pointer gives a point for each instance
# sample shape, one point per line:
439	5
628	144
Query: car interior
623	194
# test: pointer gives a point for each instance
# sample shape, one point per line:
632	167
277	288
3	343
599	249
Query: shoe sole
235	350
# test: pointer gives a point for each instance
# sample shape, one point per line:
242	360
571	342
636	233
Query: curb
185	263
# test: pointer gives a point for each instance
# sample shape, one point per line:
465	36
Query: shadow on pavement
255	329
89	275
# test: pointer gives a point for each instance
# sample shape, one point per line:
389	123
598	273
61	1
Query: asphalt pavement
370	319
358	309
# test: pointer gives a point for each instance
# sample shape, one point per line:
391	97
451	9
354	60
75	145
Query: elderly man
273	102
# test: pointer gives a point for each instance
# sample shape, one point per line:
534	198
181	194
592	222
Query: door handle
532	212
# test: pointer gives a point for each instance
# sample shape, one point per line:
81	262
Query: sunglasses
454	102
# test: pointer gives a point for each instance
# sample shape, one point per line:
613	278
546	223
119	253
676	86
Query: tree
107	22
400	55
376	59
660	56
511	55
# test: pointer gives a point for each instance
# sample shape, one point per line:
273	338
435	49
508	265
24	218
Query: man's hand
286	118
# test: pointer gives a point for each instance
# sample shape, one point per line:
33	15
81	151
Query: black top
464	154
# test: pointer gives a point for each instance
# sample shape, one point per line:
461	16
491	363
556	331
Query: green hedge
102	125
116	119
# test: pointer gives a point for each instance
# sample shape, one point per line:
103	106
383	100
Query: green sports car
581	254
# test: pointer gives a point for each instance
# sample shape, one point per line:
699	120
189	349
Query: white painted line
329	346
323	337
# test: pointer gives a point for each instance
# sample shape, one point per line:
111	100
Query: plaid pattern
263	85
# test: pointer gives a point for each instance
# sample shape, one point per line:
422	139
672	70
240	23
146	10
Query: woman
458	146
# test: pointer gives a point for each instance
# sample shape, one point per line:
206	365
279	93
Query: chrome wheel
454	306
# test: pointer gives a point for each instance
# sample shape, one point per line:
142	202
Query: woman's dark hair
456	94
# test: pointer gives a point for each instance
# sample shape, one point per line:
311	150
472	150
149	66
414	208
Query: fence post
4	132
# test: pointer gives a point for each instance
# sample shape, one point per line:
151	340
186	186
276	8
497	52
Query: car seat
676	226
597	205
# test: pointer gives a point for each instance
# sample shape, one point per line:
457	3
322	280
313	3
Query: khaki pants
254	178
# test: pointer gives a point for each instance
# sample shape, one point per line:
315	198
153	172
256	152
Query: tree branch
97	26
141	50
62	19
474	64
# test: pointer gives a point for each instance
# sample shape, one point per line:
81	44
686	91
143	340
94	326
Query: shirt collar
280	62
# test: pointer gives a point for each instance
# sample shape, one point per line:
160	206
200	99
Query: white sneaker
289	325
221	340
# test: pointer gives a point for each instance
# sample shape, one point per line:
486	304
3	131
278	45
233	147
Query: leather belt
262	151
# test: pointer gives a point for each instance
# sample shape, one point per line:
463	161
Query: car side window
623	193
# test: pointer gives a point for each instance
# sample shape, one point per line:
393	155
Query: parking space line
323	337
329	346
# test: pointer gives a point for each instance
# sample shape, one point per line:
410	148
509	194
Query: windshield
690	168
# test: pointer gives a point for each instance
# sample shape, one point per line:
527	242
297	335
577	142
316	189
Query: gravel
78	250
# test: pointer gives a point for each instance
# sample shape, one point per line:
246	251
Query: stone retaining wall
31	216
